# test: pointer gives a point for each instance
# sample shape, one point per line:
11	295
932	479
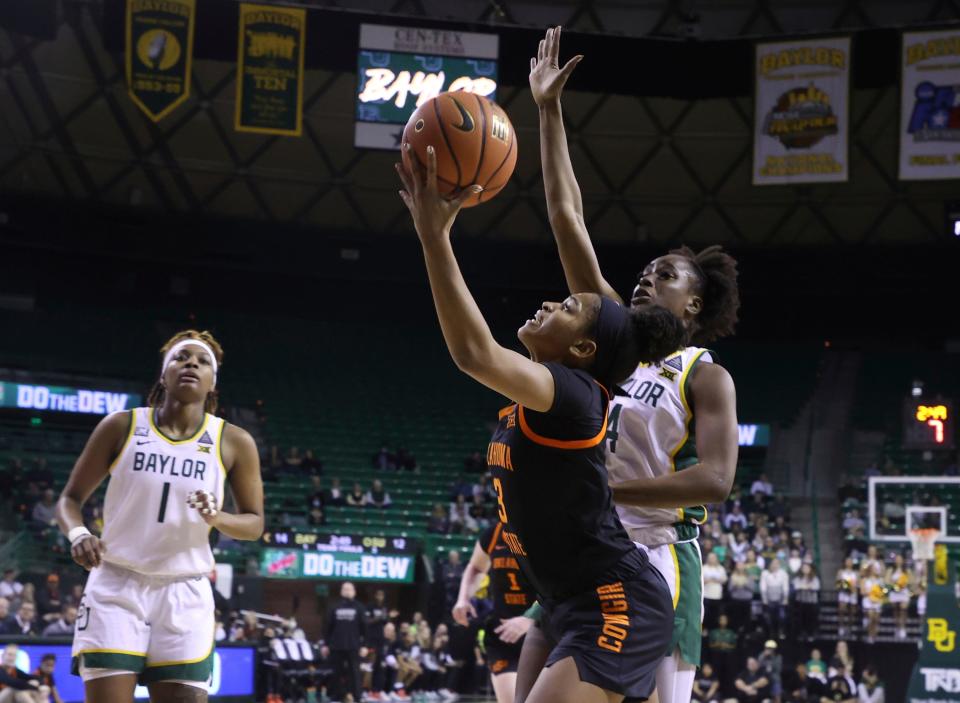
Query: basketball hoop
922	540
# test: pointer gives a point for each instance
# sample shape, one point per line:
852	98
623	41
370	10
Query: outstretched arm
709	480
471	344
564	203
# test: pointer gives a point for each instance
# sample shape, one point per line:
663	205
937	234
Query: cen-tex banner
801	124
270	69
930	105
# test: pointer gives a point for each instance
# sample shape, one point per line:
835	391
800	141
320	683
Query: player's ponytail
158	391
651	333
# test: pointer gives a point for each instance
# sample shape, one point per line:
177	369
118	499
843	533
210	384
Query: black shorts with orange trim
617	633
502	657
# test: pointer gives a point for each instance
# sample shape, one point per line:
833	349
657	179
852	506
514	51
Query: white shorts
899	597
870	604
848	598
161	629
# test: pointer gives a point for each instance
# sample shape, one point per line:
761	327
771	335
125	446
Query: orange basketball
474	141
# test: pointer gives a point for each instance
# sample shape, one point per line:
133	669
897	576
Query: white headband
168	357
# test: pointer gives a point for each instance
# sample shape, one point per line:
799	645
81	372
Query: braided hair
159	391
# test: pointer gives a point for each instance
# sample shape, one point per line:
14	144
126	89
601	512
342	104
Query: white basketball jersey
648	435
147	525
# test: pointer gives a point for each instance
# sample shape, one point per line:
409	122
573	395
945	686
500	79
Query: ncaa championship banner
930	105
800	114
159	38
270	69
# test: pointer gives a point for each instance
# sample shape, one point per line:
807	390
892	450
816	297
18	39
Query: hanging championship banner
270	69
930	105
800	113
159	54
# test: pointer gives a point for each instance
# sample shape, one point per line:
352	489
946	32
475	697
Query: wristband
78	533
534	612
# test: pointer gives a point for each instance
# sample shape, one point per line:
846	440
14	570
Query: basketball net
922	541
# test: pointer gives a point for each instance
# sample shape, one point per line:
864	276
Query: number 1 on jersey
163	501
501	508
514	584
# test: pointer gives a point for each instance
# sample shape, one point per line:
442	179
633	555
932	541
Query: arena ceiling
659	170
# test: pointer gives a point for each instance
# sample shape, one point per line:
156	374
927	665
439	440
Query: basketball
474	141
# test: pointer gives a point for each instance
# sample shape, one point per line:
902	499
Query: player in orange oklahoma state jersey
672	437
610	611
147	609
511	595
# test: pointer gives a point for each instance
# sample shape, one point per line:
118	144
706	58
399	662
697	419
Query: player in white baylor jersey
679	414
147	611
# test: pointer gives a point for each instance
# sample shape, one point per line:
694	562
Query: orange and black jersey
552	493
510	591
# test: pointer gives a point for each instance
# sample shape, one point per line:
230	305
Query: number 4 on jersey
612	425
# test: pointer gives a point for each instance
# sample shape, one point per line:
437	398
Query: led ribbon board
65	399
398	68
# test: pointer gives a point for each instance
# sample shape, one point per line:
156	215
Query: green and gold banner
270	69
159	54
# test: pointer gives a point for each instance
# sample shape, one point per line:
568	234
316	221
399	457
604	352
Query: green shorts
681	567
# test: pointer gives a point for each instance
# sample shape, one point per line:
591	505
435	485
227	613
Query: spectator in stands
856	544
49	600
807	594
384	459
18	686
311	464
10	588
461	487
335	494
63	626
44	674
796	542
714	578
779	508
841	688
739	545
771	662
799	687
377	496
7	623
735	517
75	595
318	496
406	460
706	687
853	520
722	646
870	689
794	564
438	523
357	498
752	683
293	462
841	659
761	486
816	667
460	519
741	588
775	594
44	513
478	511
26	620
345	636
408	656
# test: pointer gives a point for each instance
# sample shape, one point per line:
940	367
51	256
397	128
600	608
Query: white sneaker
448	695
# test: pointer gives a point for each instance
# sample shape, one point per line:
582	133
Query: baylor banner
270	69
159	54
936	676
930	105
800	114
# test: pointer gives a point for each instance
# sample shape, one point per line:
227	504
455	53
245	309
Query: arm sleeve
534	612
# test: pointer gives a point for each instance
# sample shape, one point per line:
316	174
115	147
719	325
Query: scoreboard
928	423
399	68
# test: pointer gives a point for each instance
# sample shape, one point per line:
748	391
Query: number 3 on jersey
501	508
612	433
